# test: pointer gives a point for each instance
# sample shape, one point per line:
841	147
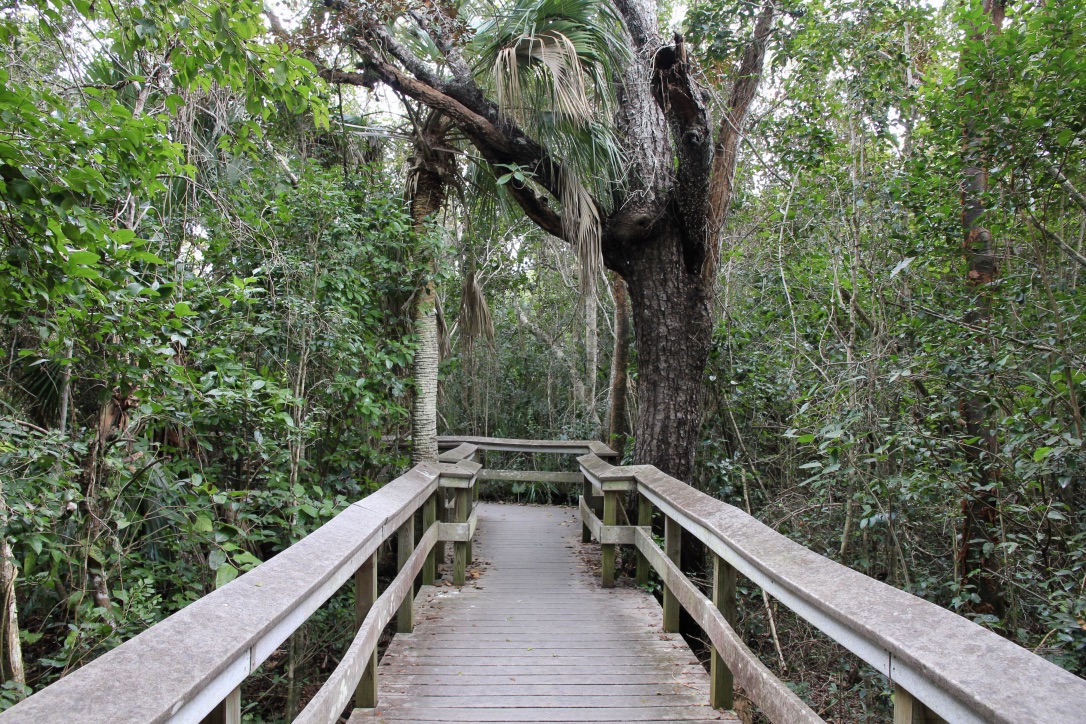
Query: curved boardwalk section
536	639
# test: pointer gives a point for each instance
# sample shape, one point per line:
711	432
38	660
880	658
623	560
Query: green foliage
224	344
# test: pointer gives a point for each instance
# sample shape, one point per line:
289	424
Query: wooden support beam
405	546
228	710
644	519
721	681
610	518
365	594
461	549
429	518
672	548
910	710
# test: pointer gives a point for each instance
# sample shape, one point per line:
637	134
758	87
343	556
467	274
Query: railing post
644	520
672	548
228	711
365	593
586	493
461	549
721	684
405	546
479	456
910	710
610	518
429	517
474	497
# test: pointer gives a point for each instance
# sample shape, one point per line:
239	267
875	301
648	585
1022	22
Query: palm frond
475	319
581	223
553	67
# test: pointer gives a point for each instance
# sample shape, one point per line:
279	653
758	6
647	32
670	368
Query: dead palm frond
475	319
551	64
581	223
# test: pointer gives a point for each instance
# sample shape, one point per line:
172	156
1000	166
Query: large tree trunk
673	332
980	535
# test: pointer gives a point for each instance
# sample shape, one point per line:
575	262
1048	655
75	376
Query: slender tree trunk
980	536
618	430
592	352
11	652
293	676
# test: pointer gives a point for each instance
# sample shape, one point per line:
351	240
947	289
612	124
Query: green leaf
225	574
147	257
216	560
182	309
1041	453
83	258
203	524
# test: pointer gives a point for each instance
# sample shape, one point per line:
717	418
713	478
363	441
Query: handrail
192	664
561	447
957	669
184	668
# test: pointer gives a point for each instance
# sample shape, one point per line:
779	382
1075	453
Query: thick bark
980	535
617	429
673	332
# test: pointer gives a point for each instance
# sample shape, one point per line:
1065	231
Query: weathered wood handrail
940	663
560	447
189	667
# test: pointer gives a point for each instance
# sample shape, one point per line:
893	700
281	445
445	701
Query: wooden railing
189	668
942	666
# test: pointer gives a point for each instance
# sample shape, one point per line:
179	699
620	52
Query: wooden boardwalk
536	639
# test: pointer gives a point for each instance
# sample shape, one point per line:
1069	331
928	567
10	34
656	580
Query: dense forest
822	261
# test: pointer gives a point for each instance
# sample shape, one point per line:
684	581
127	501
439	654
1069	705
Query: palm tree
609	144
432	170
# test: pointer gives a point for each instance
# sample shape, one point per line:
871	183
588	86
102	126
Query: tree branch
682	102
1067	248
726	156
1065	183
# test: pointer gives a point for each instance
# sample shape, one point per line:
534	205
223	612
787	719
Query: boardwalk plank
536	639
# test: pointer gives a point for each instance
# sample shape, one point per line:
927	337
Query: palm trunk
427	197
424	369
